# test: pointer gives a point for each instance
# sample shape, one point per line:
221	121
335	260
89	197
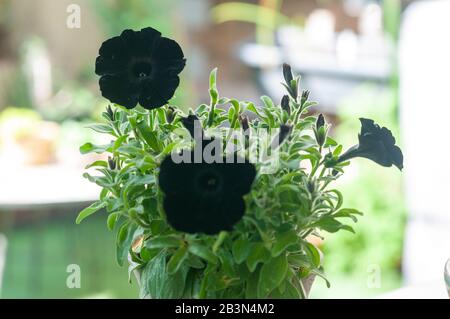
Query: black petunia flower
139	67
205	198
377	144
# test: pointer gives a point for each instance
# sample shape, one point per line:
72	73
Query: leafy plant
267	252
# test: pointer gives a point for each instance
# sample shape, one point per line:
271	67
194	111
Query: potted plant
218	202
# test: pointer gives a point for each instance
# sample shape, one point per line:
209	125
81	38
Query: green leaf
236	105
340	198
135	185
252	108
214	97
201	108
348	212
283	241
97	164
331	225
167	241
91	148
320	273
177	260
118	143
330	142
157	226
267	102
103	181
251	287
291	292
88	211
149	136
241	249
124	240
103	193
231	115
213	79
258	254
272	274
202	252
214	94
195	262
157	283
148	254
112	220
219	241
314	254
337	150
102	128
123	233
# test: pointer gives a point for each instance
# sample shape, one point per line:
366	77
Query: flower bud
320	131
111	163
320	121
311	186
189	123
110	113
305	96
285	104
285	130
291	83
287	73
170	114
244	122
330	160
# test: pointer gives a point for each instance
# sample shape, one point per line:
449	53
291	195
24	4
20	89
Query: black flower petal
377	144
205	198
139	67
208	215
114	89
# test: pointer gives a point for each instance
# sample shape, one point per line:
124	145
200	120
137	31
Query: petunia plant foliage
221	201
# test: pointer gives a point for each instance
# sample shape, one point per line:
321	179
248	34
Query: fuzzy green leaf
157	283
167	241
88	211
283	241
202	252
258	254
176	260
272	274
91	148
241	249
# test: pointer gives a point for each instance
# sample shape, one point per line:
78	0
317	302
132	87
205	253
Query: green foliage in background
40	252
118	15
266	17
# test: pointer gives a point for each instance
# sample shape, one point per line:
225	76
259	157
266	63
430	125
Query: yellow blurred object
39	145
28	140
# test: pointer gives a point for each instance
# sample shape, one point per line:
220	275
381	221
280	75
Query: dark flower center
141	70
209	181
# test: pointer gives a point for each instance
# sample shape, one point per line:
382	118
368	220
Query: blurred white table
42	186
